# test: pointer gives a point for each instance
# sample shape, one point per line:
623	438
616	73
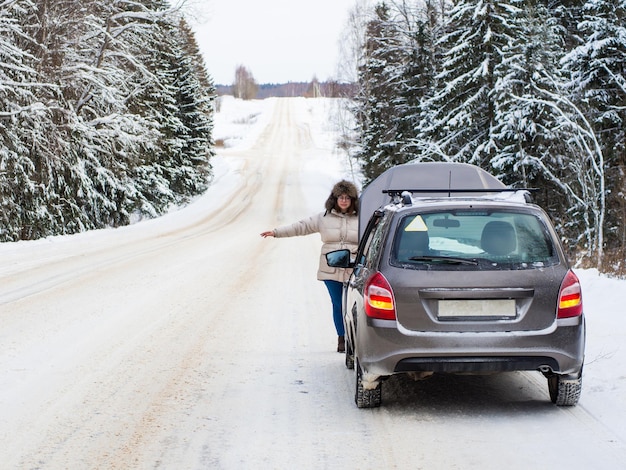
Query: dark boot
341	344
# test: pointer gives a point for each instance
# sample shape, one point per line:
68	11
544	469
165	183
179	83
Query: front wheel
565	391
366	398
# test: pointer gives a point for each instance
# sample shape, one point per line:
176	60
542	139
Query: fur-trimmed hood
343	187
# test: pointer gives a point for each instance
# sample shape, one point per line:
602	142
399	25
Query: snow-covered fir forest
533	91
105	114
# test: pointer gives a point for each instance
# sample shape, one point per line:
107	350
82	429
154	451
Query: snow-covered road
189	342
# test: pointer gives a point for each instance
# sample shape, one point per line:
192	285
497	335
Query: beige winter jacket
336	230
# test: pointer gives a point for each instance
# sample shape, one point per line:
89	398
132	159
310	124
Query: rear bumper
384	349
476	364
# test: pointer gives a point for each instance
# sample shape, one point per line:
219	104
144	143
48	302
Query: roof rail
405	195
398	192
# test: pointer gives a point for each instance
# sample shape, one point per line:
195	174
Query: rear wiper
444	259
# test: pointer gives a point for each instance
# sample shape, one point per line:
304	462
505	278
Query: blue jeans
335	289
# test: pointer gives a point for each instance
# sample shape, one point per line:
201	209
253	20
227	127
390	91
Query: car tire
366	398
564	391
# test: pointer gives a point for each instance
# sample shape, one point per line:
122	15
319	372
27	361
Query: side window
374	242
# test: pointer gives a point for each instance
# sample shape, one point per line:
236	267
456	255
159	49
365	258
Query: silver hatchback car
456	273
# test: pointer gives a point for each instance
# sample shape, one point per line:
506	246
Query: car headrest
498	238
413	243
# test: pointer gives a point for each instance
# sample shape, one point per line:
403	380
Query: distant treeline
329	89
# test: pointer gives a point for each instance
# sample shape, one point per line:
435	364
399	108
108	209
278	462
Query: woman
338	228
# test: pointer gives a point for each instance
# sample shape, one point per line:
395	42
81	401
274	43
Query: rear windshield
473	239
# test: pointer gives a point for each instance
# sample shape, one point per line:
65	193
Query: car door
368	258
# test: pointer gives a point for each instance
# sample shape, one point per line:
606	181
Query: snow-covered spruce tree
196	95
421	27
567	14
528	133
459	118
178	96
20	192
169	96
543	134
378	82
46	132
598	85
543	137
396	71
416	24
172	96
525	129
108	138
83	137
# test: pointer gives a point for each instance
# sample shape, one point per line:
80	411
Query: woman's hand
269	233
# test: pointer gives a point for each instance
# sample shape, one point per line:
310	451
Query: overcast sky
277	40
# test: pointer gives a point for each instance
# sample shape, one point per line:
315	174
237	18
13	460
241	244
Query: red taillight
570	297
379	301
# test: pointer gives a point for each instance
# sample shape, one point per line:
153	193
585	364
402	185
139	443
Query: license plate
491	308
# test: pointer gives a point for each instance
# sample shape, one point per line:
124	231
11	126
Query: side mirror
339	259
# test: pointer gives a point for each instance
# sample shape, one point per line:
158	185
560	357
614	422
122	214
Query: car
457	273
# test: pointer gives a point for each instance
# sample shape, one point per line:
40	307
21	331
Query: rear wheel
365	398
565	390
